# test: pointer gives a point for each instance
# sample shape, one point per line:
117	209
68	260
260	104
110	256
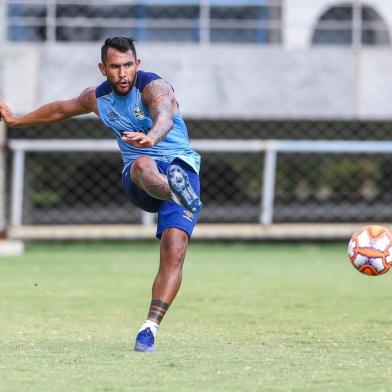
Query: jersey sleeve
143	78
103	89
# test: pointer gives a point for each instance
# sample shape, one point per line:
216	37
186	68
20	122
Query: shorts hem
187	231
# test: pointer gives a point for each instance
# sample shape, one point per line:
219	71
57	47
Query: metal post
357	25
204	22
3	128
356	51
147	218
268	190
18	169
50	21
7	247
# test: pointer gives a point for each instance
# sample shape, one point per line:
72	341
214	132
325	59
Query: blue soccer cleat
145	341
182	189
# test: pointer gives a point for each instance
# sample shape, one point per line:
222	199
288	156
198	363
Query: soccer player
161	169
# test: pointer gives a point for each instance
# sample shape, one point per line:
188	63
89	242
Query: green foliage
341	172
250	317
338	179
45	198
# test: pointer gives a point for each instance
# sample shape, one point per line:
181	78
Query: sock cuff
151	323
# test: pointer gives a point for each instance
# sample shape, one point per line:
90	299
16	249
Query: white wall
23	75
300	18
221	81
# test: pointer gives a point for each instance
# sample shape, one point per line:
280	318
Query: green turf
266	317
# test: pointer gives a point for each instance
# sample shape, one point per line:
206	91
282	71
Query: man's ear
102	69
138	63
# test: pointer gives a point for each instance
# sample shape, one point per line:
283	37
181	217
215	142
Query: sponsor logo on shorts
188	215
138	113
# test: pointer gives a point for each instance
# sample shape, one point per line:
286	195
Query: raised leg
145	174
177	187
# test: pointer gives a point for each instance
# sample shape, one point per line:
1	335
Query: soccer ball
369	250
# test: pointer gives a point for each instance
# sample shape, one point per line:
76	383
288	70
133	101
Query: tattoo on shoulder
158	96
156	87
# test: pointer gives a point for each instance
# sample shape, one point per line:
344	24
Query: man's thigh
136	195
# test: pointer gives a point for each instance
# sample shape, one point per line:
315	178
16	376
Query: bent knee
142	165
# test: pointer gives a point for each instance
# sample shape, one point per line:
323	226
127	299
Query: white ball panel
364	240
382	243
351	246
360	260
378	264
389	258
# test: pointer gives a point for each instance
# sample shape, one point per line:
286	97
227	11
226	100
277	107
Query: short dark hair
122	44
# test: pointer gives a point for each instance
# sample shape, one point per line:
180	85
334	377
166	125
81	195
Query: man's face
120	70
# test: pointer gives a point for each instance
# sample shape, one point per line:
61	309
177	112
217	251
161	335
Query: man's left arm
158	96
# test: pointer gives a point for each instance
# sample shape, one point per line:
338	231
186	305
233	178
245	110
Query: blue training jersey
128	113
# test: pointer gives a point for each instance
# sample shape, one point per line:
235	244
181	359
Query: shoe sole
181	187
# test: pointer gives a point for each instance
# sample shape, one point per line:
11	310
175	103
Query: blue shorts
170	214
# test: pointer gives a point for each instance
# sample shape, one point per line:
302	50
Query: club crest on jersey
113	116
138	113
187	215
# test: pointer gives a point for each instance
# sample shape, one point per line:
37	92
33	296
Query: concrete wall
222	81
292	81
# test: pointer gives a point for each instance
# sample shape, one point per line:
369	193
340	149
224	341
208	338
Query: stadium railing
200	21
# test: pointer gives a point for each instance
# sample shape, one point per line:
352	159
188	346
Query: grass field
249	317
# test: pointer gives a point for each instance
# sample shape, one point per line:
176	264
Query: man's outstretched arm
52	112
159	98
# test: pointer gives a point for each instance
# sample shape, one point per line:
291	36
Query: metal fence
252	181
179	21
194	21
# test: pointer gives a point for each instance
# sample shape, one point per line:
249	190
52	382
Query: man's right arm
52	112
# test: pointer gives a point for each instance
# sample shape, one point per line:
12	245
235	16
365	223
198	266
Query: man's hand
138	139
6	114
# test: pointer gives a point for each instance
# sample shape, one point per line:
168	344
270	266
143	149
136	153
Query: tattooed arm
158	96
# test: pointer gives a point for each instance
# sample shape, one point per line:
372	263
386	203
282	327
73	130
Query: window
246	23
33	31
351	24
144	22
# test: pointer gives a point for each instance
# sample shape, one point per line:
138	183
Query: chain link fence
82	188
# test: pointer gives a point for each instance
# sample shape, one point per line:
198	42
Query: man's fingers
137	139
133	135
131	139
135	143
